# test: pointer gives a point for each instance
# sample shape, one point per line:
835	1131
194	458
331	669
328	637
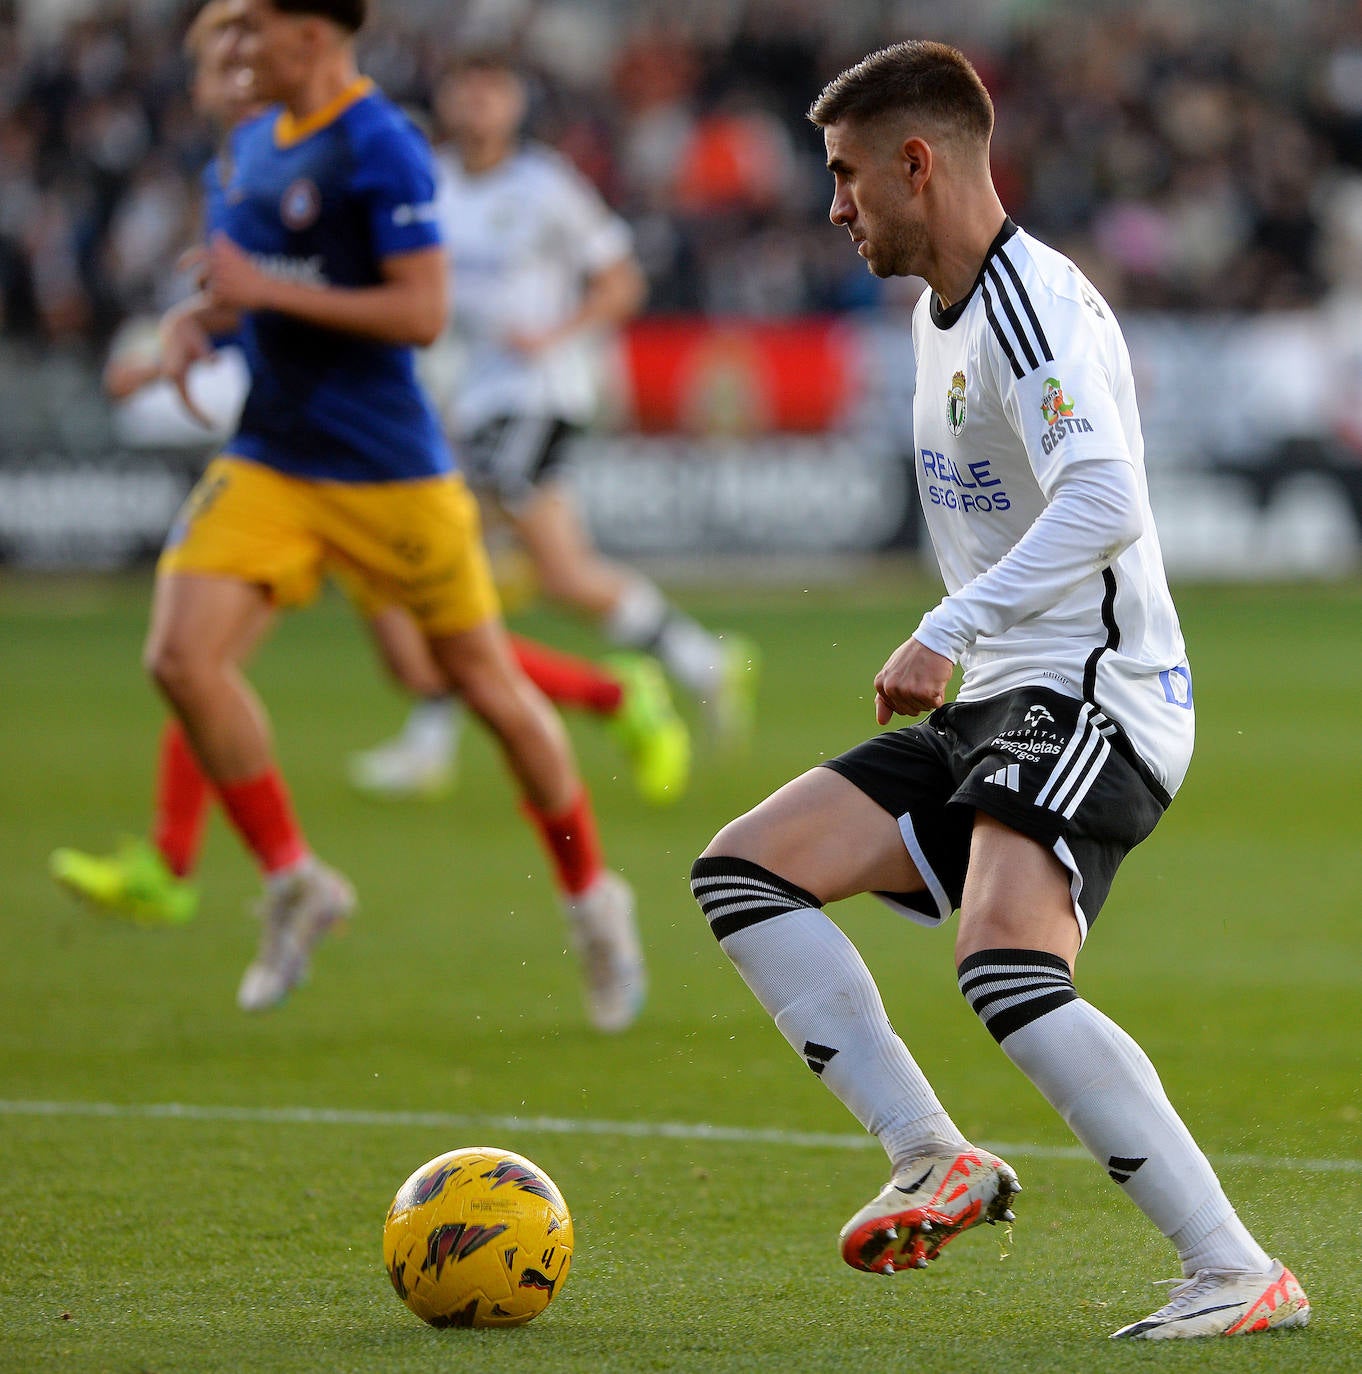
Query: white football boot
402	768
418	762
293	917
605	937
925	1206
1216	1302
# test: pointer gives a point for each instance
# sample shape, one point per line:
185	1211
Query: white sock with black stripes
810	978
1103	1085
644	619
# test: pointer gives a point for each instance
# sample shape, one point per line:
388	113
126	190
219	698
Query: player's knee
580	578
564	583
418	677
471	672
760	840
735	893
739	839
484	695
986	925
172	666
504	699
1026	919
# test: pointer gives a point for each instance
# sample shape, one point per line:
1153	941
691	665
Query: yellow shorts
513	576
417	544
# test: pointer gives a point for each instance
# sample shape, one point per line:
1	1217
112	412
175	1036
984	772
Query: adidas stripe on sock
735	894
1010	988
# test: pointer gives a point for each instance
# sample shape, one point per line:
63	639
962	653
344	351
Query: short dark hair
349	14
931	79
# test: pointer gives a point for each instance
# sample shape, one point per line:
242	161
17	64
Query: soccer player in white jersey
540	269
1070	732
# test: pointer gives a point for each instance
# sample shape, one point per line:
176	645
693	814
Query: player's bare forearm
211	316
407	307
390	313
124	377
913	680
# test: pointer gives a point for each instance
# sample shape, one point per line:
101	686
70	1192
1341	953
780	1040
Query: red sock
568	680
182	797
572	842
260	810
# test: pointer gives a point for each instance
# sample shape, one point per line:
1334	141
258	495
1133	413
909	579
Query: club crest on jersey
300	205
955	404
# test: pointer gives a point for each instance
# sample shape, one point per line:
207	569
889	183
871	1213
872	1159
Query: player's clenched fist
912	681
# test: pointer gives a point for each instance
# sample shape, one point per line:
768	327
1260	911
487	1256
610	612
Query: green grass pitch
184	1188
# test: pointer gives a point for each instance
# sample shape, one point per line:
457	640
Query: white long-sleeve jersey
1030	464
522	239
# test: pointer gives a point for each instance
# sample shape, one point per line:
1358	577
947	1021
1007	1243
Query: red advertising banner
735	377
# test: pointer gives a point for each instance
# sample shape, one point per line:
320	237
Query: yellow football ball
478	1237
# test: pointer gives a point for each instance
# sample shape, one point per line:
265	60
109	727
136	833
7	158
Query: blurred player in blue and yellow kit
324	259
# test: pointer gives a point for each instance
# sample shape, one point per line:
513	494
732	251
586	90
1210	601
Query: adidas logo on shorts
1008	776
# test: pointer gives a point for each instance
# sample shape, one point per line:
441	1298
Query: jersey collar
288	131
944	317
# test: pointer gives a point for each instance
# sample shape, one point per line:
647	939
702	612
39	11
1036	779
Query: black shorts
1050	766
511	455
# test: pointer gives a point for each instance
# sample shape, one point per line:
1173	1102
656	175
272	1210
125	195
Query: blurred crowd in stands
1191	158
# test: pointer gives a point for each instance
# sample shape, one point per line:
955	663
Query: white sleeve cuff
938	638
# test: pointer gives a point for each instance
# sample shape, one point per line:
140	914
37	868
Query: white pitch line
557	1125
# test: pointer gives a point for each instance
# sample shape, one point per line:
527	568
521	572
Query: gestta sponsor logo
1054	404
1060	419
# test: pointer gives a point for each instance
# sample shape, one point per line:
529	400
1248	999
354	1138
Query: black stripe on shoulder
1004	296
1027	306
1017	370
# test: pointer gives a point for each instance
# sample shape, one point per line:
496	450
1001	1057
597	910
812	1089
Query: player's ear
915	161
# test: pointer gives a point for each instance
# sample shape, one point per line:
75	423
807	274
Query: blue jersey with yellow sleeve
325	201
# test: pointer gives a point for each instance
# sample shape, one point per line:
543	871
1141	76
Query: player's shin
1104	1086
812	981
261	811
599	906
572	841
183	795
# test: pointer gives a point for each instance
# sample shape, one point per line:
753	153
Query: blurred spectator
1196	157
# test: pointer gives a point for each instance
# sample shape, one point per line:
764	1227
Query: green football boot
133	883
649	730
